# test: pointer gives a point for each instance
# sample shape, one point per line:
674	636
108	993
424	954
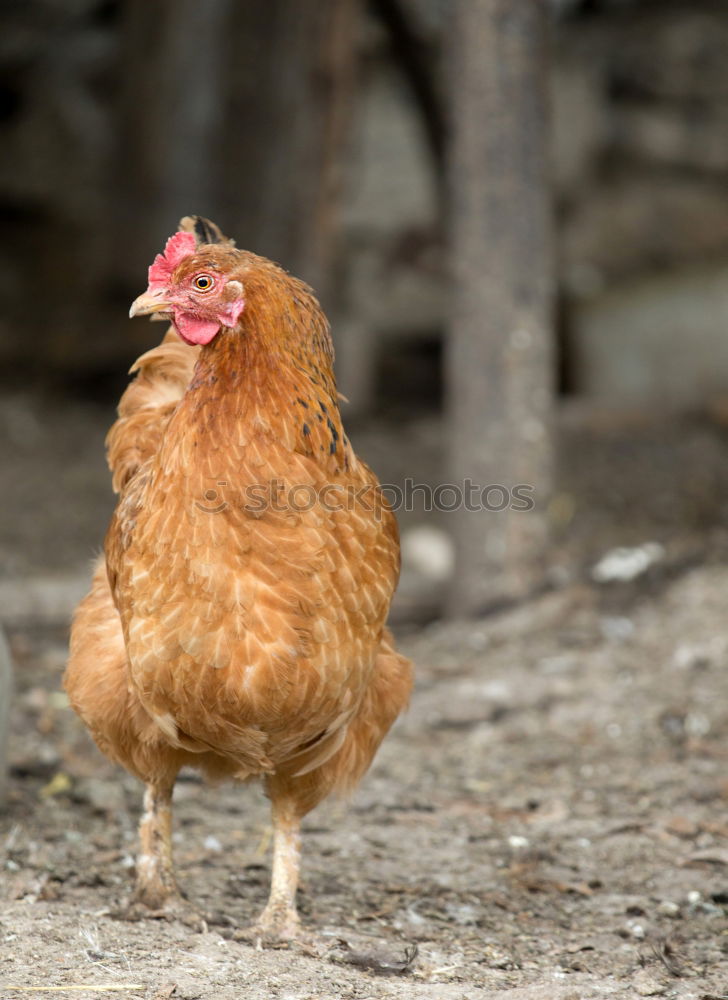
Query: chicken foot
279	921
155	880
156	893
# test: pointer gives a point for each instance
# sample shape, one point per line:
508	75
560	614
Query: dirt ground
548	822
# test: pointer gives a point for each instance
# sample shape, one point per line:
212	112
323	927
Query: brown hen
237	620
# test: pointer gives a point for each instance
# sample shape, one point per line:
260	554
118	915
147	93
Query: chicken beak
149	303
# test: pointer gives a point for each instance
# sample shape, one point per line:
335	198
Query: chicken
236	621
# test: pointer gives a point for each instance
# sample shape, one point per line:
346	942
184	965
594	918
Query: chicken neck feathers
251	619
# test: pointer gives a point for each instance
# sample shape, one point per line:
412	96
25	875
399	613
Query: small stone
617	629
697	724
623	564
517	843
430	552
478	641
681	826
497	958
646	986
668	909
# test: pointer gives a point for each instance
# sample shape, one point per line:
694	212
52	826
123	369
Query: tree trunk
236	111
175	55
500	350
292	83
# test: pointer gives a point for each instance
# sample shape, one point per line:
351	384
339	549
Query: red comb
178	247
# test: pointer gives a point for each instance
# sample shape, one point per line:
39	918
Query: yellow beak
150	302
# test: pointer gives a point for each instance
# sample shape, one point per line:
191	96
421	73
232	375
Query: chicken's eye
203	282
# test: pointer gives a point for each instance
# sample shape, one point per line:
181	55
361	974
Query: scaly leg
279	920
156	893
155	881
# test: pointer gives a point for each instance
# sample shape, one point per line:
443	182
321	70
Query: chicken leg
156	893
279	920
155	880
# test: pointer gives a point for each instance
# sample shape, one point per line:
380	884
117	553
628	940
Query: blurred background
337	137
515	213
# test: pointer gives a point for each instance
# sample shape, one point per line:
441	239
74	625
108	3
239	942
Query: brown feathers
162	378
251	561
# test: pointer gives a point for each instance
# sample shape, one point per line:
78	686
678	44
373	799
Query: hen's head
195	285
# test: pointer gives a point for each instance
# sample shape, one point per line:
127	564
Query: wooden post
500	351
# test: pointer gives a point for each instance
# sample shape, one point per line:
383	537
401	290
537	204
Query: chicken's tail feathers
203	230
353	744
387	695
245	745
318	751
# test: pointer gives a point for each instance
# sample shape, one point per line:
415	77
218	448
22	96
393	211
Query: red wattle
194	330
